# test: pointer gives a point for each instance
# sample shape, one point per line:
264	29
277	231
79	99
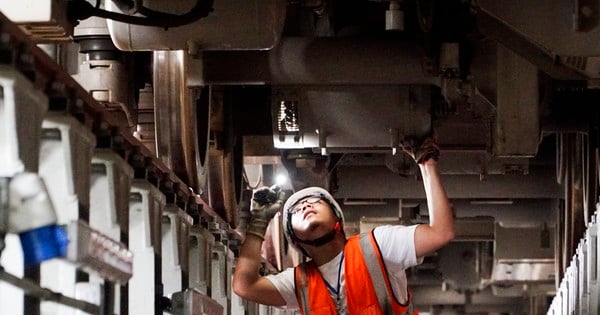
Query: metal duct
320	60
234	24
319	117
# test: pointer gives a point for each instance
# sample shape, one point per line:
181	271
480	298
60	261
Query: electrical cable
81	10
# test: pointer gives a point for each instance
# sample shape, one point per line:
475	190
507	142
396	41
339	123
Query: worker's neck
326	252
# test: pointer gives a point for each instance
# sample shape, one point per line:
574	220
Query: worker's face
312	218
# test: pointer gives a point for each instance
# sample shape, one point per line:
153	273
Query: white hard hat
303	194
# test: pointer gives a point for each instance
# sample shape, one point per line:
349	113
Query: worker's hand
428	150
266	201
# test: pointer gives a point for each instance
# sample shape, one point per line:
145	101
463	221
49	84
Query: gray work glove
266	201
426	151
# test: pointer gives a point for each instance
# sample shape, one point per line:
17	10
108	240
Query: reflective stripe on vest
369	261
380	278
301	280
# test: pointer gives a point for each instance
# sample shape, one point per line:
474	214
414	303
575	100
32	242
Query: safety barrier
578	292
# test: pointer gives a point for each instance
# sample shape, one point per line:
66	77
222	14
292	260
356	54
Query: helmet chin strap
319	241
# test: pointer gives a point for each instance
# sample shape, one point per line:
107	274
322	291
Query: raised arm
440	230
247	281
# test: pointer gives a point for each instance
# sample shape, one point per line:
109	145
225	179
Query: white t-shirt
397	245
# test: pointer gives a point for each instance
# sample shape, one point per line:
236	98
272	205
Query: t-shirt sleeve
397	245
285	284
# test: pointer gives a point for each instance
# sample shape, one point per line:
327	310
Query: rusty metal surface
517	128
181	119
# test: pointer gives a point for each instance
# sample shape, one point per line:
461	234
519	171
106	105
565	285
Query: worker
362	274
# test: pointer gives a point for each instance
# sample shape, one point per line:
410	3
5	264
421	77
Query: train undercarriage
134	132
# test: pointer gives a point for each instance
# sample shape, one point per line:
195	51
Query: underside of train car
197	103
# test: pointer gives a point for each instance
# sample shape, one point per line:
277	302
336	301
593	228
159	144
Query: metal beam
517	127
555	25
379	182
429	296
496	29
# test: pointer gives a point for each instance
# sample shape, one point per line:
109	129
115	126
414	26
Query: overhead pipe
319	60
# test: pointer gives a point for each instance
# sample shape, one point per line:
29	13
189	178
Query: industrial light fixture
287	120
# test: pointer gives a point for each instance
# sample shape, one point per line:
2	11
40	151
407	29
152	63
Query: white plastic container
109	196
65	164
200	258
175	243
22	109
222	265
145	211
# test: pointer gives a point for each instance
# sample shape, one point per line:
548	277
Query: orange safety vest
368	289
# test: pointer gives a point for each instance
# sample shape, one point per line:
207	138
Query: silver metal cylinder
322	61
